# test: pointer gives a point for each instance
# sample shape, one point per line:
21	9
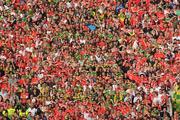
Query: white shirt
137	98
22	52
100	10
47	102
114	87
156	100
29	49
83	41
177	37
98	58
32	111
86	116
135	45
68	4
2	57
40	76
157	89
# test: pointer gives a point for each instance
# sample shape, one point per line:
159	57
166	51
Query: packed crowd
89	59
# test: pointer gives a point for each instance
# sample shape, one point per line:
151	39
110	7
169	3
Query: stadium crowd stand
89	59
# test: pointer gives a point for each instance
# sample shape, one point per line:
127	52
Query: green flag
178	12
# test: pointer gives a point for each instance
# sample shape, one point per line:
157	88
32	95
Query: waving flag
91	27
178	12
118	8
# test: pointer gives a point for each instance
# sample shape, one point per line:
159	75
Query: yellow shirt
11	112
121	17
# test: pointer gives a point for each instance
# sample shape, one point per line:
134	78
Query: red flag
134	9
143	44
137	79
174	69
160	15
147	2
34	33
34	80
164	78
1	43
56	112
143	60
24	95
35	68
163	64
177	56
83	82
101	44
172	78
21	82
101	110
159	55
5	86
34	59
83	52
130	75
138	1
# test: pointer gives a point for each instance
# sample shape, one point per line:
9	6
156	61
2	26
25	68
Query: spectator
84	59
